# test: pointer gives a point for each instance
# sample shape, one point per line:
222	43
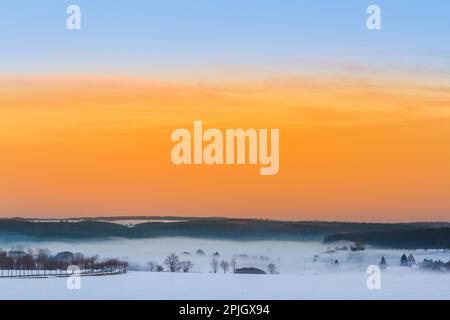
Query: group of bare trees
224	265
174	264
42	262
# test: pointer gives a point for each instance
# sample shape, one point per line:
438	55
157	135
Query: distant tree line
435	265
430	238
426	264
211	228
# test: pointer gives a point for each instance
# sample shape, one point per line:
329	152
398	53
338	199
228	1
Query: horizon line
175	218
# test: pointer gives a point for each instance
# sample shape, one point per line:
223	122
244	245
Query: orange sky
350	148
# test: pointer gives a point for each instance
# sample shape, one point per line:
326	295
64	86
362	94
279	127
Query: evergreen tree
404	261
383	263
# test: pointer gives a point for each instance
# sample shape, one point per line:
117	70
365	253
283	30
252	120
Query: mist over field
305	270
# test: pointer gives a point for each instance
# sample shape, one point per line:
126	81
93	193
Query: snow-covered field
299	276
396	284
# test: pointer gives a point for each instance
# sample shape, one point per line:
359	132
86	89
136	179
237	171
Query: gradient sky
86	116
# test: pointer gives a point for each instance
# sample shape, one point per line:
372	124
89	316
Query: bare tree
215	265
186	266
173	262
152	266
78	260
3	260
272	268
91	262
8	264
225	266
155	267
233	264
42	259
28	263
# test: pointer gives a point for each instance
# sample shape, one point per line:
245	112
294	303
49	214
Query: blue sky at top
141	36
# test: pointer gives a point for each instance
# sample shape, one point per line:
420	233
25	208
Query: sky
364	116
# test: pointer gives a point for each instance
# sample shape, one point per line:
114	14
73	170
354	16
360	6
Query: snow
396	284
300	277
